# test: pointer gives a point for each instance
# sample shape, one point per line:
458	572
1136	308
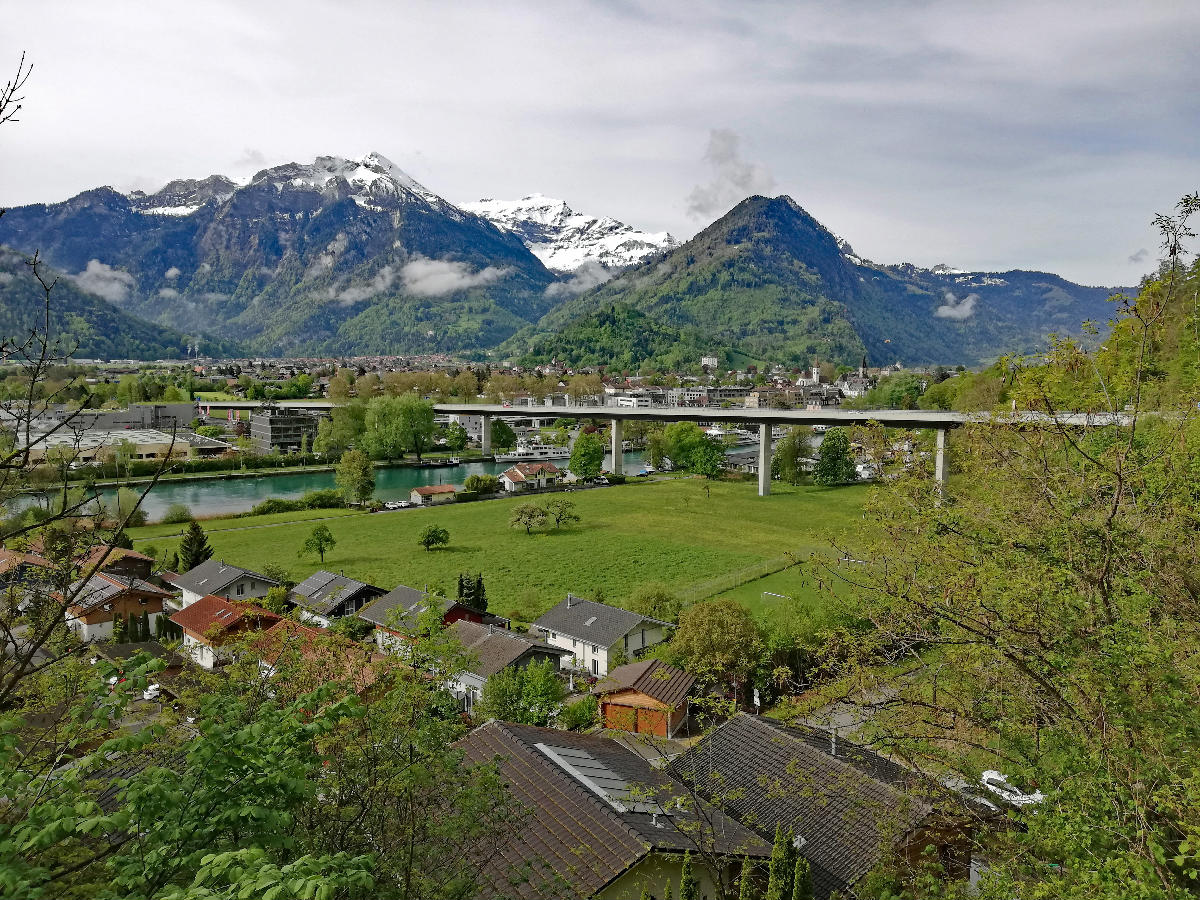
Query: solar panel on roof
614	789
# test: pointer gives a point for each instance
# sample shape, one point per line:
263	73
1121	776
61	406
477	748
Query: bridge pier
764	460
485	437
617	447
939	460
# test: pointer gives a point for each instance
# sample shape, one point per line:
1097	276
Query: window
574	643
241	589
595	667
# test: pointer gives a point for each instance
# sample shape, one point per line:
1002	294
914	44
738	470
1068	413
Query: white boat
526	452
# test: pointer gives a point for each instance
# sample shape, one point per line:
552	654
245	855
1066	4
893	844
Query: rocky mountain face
566	241
768	282
333	256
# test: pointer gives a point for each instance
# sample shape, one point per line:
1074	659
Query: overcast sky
986	135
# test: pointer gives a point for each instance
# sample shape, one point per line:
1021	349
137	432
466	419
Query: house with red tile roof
213	622
432	494
526	475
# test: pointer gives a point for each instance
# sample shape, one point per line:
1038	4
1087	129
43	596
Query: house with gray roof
492	650
595	632
324	596
222	579
402	607
847	806
601	821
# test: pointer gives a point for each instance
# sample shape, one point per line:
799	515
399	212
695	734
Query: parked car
397	504
600	480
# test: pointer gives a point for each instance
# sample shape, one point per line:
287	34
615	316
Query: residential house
645	697
322	655
602	822
595	633
432	494
402	606
324	596
118	561
212	623
20	570
93	604
848	807
215	576
524	476
495	649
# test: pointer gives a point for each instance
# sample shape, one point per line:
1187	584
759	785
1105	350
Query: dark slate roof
847	803
213	576
597	623
409	601
666	684
575	841
103	587
495	648
322	592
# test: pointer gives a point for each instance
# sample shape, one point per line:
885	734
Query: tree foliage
528	516
433	536
193	547
527	695
355	476
835	464
319	542
587	455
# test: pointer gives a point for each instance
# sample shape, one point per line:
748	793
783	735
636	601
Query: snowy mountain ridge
565	240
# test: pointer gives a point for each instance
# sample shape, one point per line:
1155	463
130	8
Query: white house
212	621
215	576
530	475
492	650
594	632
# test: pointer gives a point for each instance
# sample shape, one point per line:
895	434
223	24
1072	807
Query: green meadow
684	533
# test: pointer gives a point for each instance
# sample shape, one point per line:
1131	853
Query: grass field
667	531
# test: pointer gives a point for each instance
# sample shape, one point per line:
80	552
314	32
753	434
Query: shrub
580	714
274	505
615	479
177	514
482	484
327	498
466	496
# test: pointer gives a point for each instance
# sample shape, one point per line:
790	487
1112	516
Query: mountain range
354	257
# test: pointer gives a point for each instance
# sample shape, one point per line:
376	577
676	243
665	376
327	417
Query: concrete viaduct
766	419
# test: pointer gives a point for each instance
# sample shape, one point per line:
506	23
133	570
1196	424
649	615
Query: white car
397	504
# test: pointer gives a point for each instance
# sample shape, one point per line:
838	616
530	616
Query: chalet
524	476
403	606
118	561
213	622
848	806
494	649
645	697
222	579
432	494
323	656
20	570
92	605
595	632
324	596
602	822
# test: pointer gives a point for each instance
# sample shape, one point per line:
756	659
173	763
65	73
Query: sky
989	136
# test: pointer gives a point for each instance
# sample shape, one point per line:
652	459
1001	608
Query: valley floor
681	533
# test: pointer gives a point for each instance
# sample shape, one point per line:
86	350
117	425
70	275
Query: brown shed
646	697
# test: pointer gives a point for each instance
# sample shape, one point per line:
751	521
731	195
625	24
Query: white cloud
954	308
104	281
168	293
6	277
733	178
381	282
172	273
586	277
435	277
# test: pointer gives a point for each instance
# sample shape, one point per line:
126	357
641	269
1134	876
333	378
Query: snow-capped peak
565	240
372	177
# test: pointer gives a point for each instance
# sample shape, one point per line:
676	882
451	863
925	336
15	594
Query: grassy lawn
668	531
159	535
793	584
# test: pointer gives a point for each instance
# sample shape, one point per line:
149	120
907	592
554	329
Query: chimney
569	599
833	743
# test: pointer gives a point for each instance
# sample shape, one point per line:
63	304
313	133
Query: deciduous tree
319	541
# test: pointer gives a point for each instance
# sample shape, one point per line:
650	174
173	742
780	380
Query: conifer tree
689	887
779	879
144	626
193	547
746	880
802	888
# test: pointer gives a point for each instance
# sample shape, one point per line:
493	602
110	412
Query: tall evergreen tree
689	887
144	626
802	888
746	880
193	547
779	879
